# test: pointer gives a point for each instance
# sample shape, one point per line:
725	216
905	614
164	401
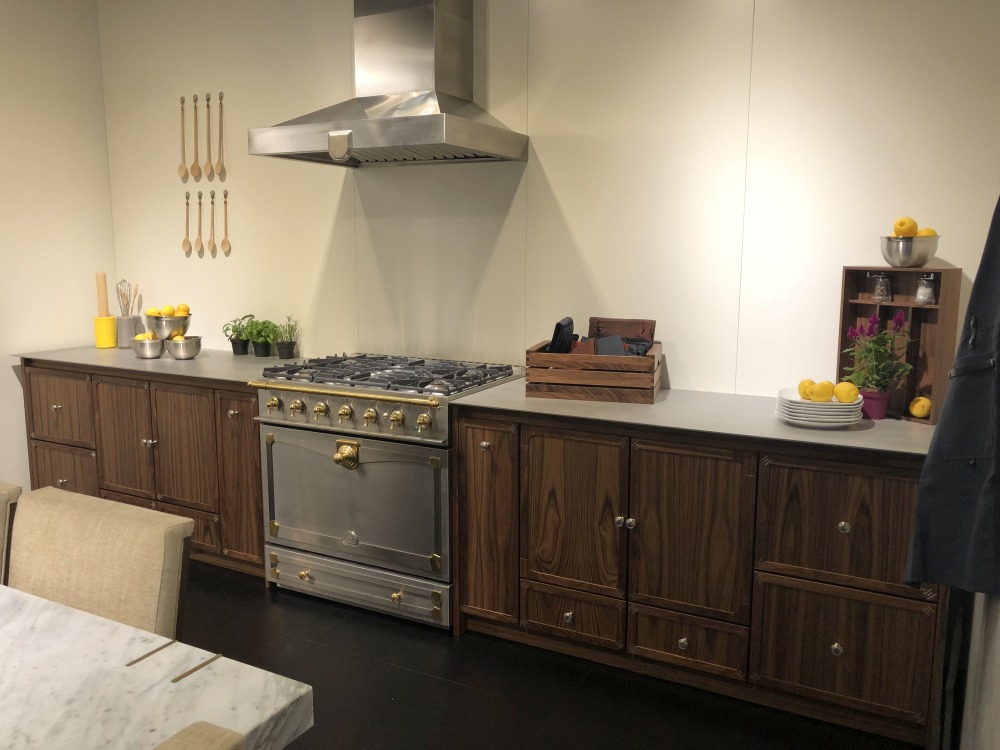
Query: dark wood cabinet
486	454
64	466
573	615
184	448
240	493
59	408
124	432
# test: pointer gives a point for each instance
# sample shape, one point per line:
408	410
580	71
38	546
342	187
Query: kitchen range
354	463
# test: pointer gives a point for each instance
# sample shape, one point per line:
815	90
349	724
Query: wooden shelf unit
932	328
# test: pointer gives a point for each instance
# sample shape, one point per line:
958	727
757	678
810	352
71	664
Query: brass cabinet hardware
296	407
320	410
423	421
396	419
348	454
273	403
432	401
345	412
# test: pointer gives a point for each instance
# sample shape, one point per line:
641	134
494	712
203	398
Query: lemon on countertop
804	387
920	407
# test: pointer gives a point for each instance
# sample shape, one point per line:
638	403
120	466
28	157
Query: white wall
55	210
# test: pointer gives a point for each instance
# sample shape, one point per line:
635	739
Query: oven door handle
432	402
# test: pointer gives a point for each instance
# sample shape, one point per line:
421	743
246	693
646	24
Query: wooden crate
594	377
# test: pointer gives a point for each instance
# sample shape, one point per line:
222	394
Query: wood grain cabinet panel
63	466
859	649
206	535
587	618
847	524
61	407
487	461
241	507
574	486
124	429
187	469
691	549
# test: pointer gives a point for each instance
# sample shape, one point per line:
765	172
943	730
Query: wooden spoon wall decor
226	244
182	170
209	166
186	244
199	246
195	166
220	166
211	226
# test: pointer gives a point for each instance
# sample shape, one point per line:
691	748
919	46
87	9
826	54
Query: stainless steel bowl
909	252
168	326
186	349
147	348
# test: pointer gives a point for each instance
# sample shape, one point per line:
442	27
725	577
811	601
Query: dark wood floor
379	682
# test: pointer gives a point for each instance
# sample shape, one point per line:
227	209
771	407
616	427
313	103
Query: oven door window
382	503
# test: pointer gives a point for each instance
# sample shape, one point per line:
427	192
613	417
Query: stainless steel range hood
413	96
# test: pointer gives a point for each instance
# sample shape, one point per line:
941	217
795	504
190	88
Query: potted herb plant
288	337
235	331
879	361
261	333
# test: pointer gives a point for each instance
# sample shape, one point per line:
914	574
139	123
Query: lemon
920	407
178	337
180	314
140	337
804	386
183	309
926	232
845	392
905	227
167	310
152	311
820	391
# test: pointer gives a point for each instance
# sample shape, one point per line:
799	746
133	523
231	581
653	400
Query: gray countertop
721	413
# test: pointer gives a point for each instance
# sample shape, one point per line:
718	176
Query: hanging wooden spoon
182	170
195	166
209	167
211	226
220	167
226	244
186	244
198	244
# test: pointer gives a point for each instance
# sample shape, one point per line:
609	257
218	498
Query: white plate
818	420
814	425
791	397
805	412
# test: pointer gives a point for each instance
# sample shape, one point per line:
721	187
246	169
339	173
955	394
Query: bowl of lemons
909	246
168	321
183	347
147	347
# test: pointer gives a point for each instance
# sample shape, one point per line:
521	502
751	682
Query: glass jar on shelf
882	291
925	291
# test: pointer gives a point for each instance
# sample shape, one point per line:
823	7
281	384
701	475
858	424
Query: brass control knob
396	419
296	407
346	456
320	410
396	596
304	574
273	403
423	422
370	415
345	412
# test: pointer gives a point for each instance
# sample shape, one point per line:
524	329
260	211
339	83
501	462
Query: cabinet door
691	548
862	650
187	469
63	466
845	524
61	408
124	432
488	514
241	511
205	535
575	484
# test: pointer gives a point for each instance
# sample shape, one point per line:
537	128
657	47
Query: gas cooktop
442	377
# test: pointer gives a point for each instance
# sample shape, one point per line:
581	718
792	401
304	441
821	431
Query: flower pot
240	346
286	349
875	405
261	349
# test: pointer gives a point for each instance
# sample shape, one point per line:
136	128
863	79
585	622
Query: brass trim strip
191	671
271	385
155	650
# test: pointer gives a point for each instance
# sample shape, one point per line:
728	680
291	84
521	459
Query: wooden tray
594	377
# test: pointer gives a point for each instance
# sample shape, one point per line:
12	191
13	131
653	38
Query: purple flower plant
879	356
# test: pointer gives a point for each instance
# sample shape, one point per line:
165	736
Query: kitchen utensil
195	166
226	244
182	170
209	167
147	348
562	337
102	294
124	290
211	225
135	295
105	329
220	166
198	244
909	252
186	244
168	326
186	349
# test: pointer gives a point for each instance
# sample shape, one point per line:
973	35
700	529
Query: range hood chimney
412	96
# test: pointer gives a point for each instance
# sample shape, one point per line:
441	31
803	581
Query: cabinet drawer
65	467
694	642
118	497
62	408
587	618
844	524
206	536
858	649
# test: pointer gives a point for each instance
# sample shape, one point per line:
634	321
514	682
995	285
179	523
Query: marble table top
70	679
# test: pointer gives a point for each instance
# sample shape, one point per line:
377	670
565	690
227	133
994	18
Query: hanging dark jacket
956	537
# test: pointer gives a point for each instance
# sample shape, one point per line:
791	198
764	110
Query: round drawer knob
484	446
629	523
619	521
232	413
56	407
837	650
304	575
844	527
568	618
682	644
396	597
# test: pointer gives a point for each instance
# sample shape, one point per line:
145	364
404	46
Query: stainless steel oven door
377	502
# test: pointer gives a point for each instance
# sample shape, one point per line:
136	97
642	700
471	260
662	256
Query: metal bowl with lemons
908	246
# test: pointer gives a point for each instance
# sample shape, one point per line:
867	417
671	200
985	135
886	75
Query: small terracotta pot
875	405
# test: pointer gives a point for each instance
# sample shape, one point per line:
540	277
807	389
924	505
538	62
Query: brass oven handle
347	456
432	401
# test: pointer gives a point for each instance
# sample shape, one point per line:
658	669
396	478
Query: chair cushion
111	559
203	736
8	495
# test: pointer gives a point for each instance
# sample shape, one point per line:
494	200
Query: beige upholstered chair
114	560
203	736
8	496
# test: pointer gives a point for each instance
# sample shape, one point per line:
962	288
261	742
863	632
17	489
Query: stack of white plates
822	415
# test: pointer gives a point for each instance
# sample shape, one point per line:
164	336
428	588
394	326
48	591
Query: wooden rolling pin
102	295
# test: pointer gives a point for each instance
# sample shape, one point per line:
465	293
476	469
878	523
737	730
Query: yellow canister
106	332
